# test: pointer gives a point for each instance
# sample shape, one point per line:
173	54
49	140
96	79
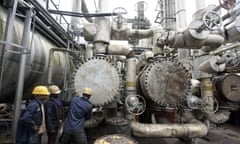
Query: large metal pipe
76	21
103	28
191	130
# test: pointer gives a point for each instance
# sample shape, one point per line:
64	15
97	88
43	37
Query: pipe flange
100	74
166	82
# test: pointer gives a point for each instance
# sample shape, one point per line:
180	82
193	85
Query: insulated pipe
233	31
191	130
131	76
207	95
213	65
85	10
181	18
190	39
76	21
200	4
143	59
131	33
140	34
210	112
89	51
79	6
103	28
181	24
120	50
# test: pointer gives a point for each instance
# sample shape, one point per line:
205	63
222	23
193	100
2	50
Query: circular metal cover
166	82
115	139
99	74
229	87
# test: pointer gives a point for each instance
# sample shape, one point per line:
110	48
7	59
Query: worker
54	114
31	124
80	110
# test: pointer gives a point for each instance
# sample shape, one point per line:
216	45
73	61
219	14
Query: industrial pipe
191	130
139	34
143	59
213	65
124	50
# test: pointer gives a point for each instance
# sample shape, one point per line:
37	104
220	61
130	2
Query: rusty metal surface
165	82
229	87
115	139
101	75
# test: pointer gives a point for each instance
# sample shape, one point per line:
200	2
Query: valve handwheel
227	4
212	20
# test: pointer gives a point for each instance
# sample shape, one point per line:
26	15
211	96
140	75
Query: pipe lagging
191	130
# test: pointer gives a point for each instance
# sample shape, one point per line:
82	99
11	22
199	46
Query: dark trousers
74	138
52	137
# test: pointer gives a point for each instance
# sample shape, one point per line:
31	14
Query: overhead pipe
103	28
85	10
76	21
191	39
42	13
131	33
139	34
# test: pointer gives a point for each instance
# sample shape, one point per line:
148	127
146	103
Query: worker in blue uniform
80	110
54	114
31	124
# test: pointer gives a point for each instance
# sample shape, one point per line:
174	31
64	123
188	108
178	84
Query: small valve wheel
135	104
227	4
212	20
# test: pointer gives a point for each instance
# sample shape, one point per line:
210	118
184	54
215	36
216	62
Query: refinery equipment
167	80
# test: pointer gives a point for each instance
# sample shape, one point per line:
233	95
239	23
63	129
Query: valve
119	19
135	104
212	20
227	4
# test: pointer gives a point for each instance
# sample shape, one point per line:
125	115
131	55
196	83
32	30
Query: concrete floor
225	134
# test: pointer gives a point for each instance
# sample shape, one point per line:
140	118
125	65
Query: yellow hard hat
53	89
87	91
40	90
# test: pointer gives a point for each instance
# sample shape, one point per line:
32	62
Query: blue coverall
32	117
80	110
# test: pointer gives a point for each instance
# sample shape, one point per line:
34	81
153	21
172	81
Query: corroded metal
101	75
165	82
229	87
115	139
196	129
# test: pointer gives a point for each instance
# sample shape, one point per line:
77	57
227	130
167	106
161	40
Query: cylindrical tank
37	61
